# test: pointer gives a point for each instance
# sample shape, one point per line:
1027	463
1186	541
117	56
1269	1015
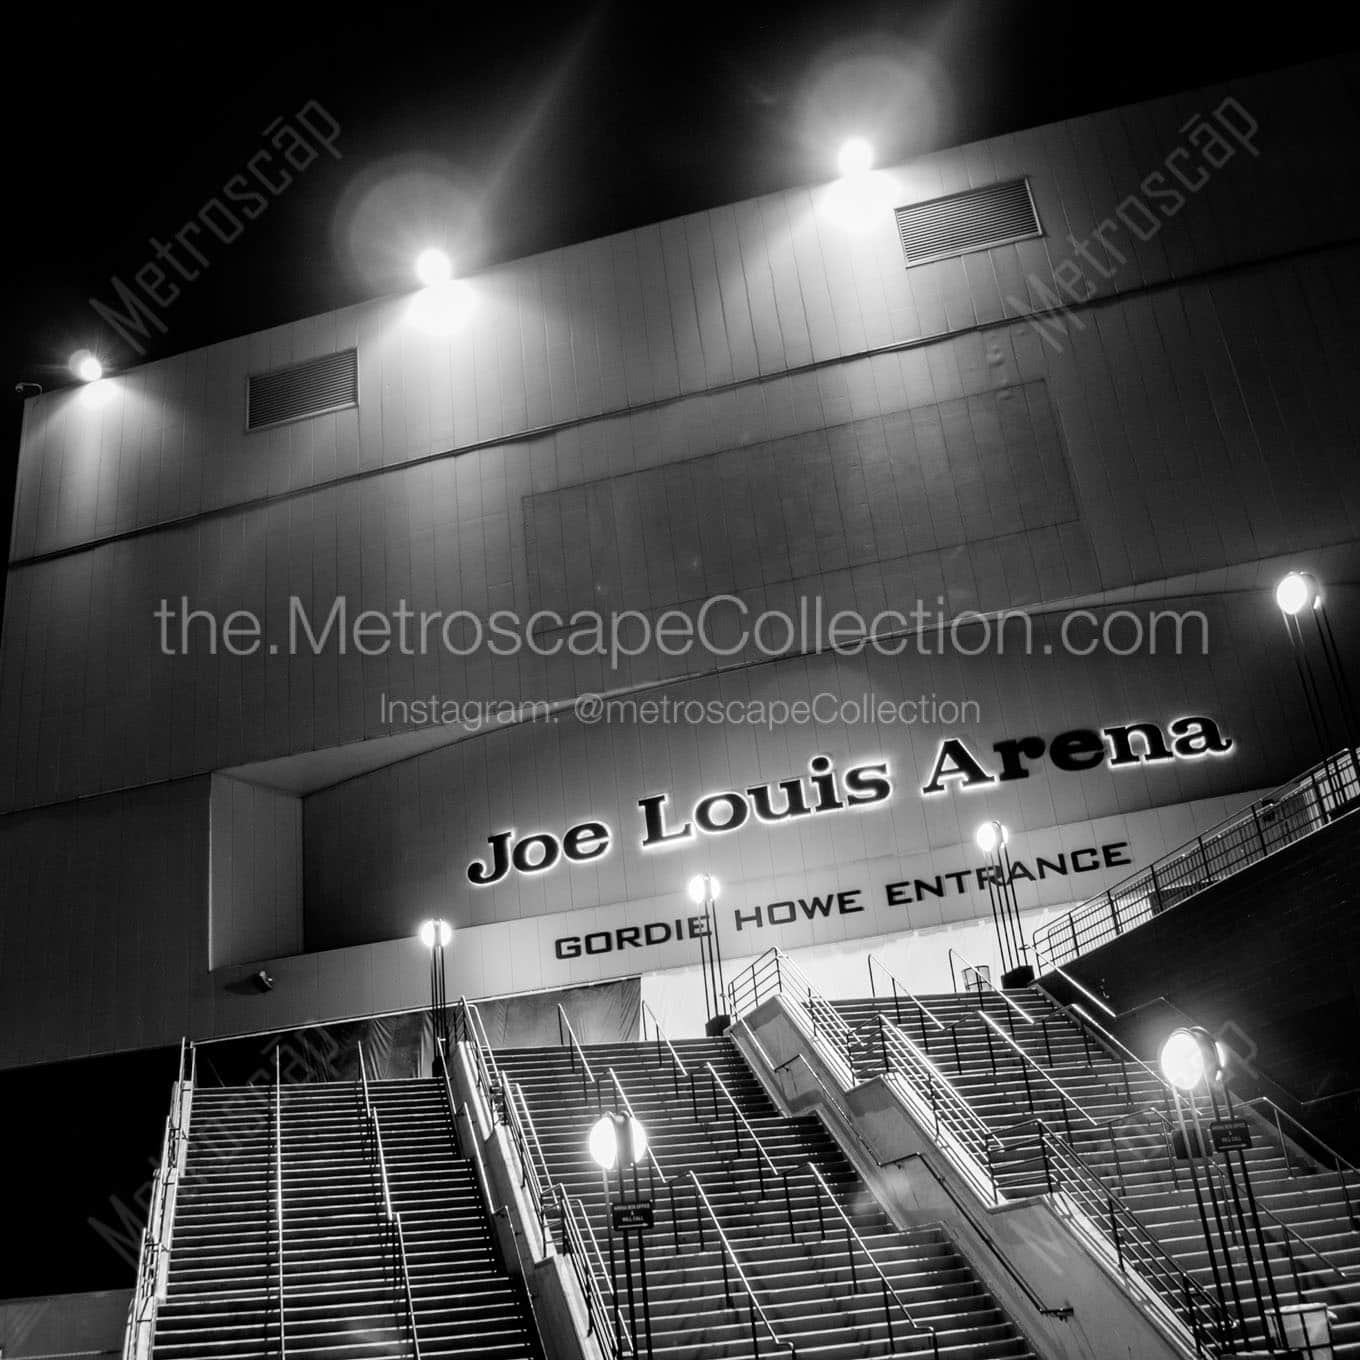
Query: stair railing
775	974
577	1053
469	1029
678	1070
1137	1253
853	1240
1302	1137
278	1201
389	1220
963	1136
760	1322
1069	1103
899	992
153	1251
604	1316
1287	815
764	1162
534	1179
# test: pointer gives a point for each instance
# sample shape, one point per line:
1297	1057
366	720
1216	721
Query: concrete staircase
801	1279
343	1295
1117	1115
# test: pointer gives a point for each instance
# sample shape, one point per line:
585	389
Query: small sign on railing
633	1215
1230	1135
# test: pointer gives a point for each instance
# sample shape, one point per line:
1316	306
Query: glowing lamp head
703	888
86	367
990	837
1188	1057
856	157
617	1140
433	267
1296	592
436	931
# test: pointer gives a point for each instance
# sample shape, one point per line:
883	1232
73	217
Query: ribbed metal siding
971	220
310	388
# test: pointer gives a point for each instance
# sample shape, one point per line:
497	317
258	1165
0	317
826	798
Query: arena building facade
785	541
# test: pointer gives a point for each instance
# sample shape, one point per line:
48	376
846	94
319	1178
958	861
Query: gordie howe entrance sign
824	789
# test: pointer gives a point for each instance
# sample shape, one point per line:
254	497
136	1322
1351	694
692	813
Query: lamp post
436	936
1191	1061
991	838
1299	596
703	892
617	1141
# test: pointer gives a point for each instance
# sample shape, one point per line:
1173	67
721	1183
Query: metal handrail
971	1144
628	1107
1051	1080
575	1050
986	981
1341	1165
525	1137
678	1068
815	1015
728	1254
1246	837
278	1200
1128	1236
153	1247
875	962
469	1019
852	1234
737	1114
602	1306
389	1217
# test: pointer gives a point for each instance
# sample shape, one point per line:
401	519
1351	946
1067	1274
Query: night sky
508	130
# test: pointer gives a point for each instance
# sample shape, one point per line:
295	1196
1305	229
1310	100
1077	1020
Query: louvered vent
311	388
971	220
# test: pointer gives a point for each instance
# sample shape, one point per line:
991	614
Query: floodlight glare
433	267
702	888
856	158
432	930
86	367
617	1140
989	836
1296	592
1189	1056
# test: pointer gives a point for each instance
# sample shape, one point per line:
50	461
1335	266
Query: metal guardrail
153	1248
565	1031
278	1201
679	1071
1303	1138
853	1240
388	1219
758	1318
763	1159
961	1133
1136	1252
775	974
604	1316
971	1144
1281	818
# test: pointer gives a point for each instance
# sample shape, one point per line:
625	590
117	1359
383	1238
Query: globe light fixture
990	837
1296	592
1188	1057
856	157
617	1141
436	931
703	888
433	267
86	367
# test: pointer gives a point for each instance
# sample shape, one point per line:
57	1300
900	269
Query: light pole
1299	596
703	892
991	838
617	1141
436	936
1191	1061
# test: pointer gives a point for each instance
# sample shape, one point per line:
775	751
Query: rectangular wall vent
972	220
311	388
